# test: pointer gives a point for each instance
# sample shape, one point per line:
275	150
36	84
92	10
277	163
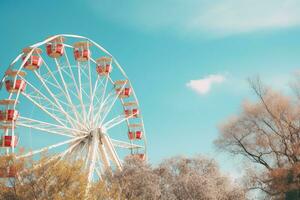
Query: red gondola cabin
121	89
82	51
34	61
123	93
104	66
9	141
9	115
132	135
14	84
132	112
7	111
55	48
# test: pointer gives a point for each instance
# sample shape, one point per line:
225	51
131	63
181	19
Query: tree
266	132
176	178
195	178
42	180
136	181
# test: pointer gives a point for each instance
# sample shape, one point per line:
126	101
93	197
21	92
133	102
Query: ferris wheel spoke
68	97
111	106
103	101
60	121
93	155
93	96
125	145
72	148
39	99
77	87
104	157
103	105
93	92
57	84
116	121
48	127
60	107
48	148
98	173
112	152
88	153
80	92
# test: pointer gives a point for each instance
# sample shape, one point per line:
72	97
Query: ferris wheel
70	96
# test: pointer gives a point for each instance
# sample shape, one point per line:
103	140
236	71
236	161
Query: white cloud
203	86
235	16
202	17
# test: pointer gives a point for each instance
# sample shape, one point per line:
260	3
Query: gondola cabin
122	90
9	141
131	109
81	51
13	82
131	112
32	58
104	66
55	48
135	135
8	113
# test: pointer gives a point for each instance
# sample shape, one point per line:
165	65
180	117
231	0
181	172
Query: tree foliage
176	178
43	179
266	132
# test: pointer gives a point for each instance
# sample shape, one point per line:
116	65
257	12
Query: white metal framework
82	112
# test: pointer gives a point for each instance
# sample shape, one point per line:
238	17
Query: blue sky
188	60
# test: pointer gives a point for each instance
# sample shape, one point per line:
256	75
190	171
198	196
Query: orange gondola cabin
55	48
13	82
122	89
81	51
104	66
32	58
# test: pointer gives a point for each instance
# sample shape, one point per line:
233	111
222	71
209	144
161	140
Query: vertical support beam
112	152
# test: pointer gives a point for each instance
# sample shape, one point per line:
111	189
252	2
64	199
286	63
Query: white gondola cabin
34	61
81	51
55	48
104	66
8	113
13	83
